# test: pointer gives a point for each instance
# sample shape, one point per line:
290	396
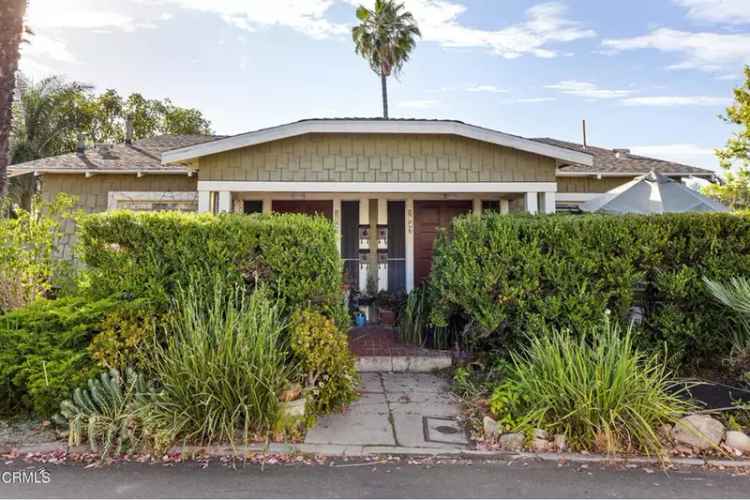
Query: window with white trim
153	201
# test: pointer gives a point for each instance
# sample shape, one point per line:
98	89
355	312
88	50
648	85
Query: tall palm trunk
11	34
384	86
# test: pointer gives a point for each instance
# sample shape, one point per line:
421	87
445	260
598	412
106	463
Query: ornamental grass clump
221	368
596	389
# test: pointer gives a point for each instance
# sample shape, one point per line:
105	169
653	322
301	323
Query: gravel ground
18	433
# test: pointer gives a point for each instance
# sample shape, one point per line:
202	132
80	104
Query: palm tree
385	37
11	35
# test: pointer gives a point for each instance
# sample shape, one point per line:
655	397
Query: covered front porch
386	230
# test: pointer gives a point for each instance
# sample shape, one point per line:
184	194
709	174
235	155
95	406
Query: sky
650	75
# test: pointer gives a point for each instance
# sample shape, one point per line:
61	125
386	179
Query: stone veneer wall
377	158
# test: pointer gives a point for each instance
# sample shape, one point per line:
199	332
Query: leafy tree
735	157
385	37
11	35
51	114
47	118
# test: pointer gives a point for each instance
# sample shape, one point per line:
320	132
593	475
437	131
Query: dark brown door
429	216
306	207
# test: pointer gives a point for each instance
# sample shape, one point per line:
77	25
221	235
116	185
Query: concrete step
413	364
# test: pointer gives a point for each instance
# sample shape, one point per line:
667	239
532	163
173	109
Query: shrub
323	352
105	413
153	254
124	333
415	325
507	275
596	389
29	268
221	368
43	354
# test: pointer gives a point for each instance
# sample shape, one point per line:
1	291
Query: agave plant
105	412
736	296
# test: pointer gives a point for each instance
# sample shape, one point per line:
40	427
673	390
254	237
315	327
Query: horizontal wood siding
589	184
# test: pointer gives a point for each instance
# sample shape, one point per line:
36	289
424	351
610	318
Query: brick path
375	340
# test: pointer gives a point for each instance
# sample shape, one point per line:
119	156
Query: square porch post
225	201
531	202
204	201
504	206
549	199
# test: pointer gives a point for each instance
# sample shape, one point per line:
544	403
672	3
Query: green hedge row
508	275
150	254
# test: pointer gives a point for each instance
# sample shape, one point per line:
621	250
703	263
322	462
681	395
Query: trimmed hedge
507	275
150	254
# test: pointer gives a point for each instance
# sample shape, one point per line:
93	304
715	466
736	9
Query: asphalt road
390	480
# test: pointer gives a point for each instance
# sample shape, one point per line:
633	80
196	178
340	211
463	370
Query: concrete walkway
396	411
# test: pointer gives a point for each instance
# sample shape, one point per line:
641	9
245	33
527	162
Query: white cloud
689	154
305	16
668	101
532	100
545	24
418	104
47	47
588	89
43	15
705	51
492	89
718	11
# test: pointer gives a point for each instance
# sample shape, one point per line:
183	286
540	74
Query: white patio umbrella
652	194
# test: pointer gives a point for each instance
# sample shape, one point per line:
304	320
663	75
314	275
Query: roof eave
375	127
632	174
12	172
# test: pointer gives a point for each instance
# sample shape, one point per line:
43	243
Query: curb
342	450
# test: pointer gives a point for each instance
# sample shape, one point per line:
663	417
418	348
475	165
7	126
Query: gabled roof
376	126
143	155
611	163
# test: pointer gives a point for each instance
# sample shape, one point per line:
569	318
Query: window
153	201
252	207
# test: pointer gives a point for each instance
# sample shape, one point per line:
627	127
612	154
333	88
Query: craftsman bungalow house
387	185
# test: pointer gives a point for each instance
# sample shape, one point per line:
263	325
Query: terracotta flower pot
387	317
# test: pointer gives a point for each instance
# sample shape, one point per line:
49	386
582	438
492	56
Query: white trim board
379	187
431	127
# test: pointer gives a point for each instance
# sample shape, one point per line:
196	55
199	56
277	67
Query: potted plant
388	304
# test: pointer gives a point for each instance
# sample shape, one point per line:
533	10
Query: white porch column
409	227
548	202
337	221
476	205
364	243
267	205
530	202
504	206
382	244
225	201
204	201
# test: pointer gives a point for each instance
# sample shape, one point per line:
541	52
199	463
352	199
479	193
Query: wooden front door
429	216
306	207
